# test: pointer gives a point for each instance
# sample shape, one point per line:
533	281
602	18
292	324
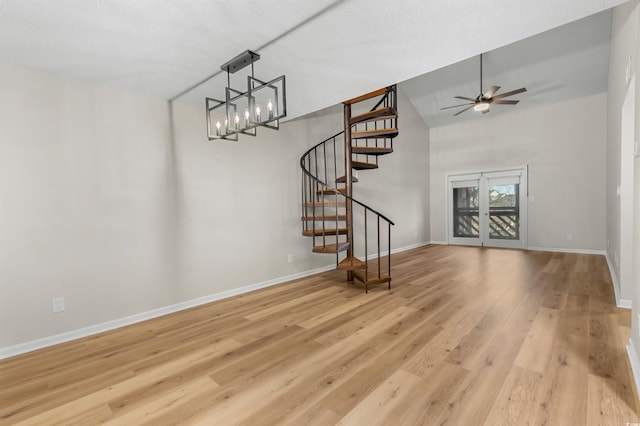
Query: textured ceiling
330	50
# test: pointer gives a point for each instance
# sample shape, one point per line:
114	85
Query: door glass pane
504	212
466	214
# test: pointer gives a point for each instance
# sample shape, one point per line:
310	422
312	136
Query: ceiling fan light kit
484	100
481	107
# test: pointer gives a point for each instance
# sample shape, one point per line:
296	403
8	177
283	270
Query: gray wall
108	202
84	208
624	43
564	145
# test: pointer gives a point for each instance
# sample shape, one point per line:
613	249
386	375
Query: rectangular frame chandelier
262	104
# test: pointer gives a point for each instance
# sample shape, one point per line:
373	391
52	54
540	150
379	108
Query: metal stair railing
321	166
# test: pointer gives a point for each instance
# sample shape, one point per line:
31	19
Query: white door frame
482	177
627	139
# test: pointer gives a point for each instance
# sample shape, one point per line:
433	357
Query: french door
488	208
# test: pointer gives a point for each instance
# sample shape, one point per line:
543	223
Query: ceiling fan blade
505	102
456	106
463	98
460	112
489	93
513	92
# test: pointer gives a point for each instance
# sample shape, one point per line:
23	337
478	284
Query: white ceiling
330	50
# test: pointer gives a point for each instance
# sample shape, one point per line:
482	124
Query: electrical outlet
531	198
569	237
290	258
57	304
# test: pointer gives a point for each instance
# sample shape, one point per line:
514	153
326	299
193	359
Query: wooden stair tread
330	191
366	96
391	132
360	165
343	179
375	115
371	150
326	204
320	232
326	218
372	277
331	248
351	263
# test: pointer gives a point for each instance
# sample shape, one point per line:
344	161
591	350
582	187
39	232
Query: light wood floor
466	336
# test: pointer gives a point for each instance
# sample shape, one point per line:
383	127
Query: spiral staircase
338	224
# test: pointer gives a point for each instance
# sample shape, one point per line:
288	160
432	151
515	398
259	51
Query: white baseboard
398	250
635	363
620	303
410	247
143	316
154	313
568	250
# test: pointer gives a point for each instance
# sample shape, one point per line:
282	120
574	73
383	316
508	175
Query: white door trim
482	177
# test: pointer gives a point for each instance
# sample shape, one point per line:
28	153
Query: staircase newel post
348	181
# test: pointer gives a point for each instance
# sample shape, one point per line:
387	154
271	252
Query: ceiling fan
482	101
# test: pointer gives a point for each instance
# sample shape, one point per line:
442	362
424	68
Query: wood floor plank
263	393
135	385
431	398
161	407
338	309
377	369
430	356
466	335
535	352
394	394
315	416
471	346
604	406
329	372
517	401
288	303
471	403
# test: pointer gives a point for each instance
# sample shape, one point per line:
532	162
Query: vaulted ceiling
330	50
563	63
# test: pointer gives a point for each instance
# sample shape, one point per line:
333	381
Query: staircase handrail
308	173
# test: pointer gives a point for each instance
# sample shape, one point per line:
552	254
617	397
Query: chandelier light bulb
246	117
217	127
270	108
258	111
